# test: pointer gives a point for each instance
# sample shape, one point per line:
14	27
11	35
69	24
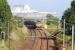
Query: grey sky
57	6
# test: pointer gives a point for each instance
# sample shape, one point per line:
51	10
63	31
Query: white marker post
73	37
45	26
64	35
3	39
45	20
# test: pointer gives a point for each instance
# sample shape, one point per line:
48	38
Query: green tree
5	13
48	19
73	12
52	19
69	16
66	16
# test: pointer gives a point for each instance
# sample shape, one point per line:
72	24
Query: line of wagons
33	24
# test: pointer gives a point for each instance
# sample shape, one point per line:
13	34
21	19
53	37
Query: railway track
38	40
37	45
33	34
42	42
28	43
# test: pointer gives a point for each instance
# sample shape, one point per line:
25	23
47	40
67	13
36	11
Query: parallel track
37	45
33	33
41	42
38	40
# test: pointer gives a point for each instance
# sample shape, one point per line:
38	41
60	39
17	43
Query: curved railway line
44	42
33	33
37	40
41	41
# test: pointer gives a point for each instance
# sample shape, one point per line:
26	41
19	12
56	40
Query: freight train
30	24
33	24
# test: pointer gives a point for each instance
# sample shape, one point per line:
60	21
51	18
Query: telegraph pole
64	35
8	36
73	37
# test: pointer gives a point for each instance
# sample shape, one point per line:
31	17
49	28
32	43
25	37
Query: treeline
52	19
5	12
69	16
5	16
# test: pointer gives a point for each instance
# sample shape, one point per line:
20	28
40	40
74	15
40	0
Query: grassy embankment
17	34
53	28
